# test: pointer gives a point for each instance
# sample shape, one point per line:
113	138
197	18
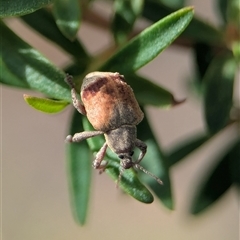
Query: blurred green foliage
216	57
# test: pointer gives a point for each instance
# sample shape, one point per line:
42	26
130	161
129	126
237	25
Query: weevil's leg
76	102
99	157
78	137
121	171
143	148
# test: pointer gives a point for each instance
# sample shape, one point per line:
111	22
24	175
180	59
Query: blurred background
35	197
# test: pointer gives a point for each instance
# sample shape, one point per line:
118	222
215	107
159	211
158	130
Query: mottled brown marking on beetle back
109	101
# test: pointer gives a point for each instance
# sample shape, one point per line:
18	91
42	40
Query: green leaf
215	183
155	10
197	30
29	68
234	158
9	78
67	14
43	22
155	162
203	54
126	12
236	50
129	182
218	86
188	146
76	70
233	13
44	104
21	7
148	93
222	9
79	172
149	43
172	3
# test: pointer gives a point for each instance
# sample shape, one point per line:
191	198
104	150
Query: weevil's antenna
148	173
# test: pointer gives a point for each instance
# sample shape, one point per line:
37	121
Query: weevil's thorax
109	101
122	140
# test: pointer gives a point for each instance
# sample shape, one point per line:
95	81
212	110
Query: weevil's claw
100	166
68	139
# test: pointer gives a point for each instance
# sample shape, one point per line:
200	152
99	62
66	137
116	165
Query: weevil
112	109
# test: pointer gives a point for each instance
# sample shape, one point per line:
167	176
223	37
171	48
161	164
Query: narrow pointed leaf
233	13
148	93
172	3
203	55
126	12
129	182
44	104
236	50
67	14
222	8
79	172
197	30
43	22
29	67
215	183
188	146
21	7
155	162
234	157
8	77
218	91
149	43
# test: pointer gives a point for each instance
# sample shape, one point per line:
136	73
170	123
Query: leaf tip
191	8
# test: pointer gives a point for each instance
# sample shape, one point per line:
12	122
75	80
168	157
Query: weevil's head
126	161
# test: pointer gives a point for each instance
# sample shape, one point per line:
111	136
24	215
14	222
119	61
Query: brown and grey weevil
112	109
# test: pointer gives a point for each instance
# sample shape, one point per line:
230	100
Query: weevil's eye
121	156
131	154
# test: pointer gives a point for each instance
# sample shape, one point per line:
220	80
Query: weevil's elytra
109	101
112	109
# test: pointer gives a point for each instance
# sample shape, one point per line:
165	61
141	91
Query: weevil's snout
126	161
